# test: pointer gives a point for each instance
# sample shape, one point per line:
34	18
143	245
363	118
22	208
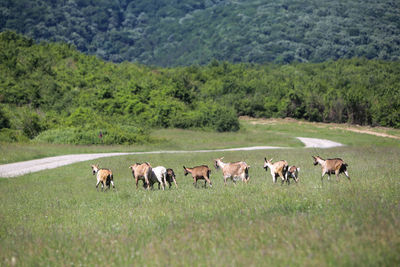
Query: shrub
11	136
31	125
209	115
4	120
85	136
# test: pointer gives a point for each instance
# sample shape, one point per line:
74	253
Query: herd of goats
233	170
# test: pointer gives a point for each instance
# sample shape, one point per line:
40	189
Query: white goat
158	175
235	170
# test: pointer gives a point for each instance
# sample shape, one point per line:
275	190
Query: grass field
255	132
56	217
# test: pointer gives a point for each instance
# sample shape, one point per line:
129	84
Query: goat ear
298	169
271	159
265	159
184	167
222	158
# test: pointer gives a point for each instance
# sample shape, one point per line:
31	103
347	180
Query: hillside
176	33
50	92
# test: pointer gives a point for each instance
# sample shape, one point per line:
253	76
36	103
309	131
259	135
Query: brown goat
278	168
199	173
104	176
234	170
331	166
292	172
171	177
141	171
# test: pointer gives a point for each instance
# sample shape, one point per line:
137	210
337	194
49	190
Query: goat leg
347	175
97	184
207	180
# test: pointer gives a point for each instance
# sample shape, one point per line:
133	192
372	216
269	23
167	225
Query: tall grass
56	217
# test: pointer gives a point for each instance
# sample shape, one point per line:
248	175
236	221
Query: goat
278	168
171	177
141	171
104	176
292	172
161	176
331	166
158	175
235	170
199	173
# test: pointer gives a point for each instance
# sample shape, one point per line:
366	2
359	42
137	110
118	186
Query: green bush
31	125
209	115
11	136
108	136
4	120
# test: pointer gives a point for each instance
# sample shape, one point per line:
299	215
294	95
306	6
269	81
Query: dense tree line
176	33
51	92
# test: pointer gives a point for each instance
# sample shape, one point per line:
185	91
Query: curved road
21	168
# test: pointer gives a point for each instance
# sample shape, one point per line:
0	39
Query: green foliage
208	115
31	125
108	135
53	86
12	136
172	33
4	120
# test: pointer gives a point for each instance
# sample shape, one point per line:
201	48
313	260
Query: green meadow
58	218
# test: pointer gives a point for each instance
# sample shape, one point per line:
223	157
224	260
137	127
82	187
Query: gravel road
21	168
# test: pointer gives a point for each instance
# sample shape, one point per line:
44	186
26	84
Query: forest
51	92
182	33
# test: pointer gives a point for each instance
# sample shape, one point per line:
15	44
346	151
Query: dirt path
21	168
320	143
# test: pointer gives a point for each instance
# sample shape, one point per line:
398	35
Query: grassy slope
57	217
264	132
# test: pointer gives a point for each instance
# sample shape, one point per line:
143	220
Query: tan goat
104	176
278	168
331	166
234	170
199	173
141	171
